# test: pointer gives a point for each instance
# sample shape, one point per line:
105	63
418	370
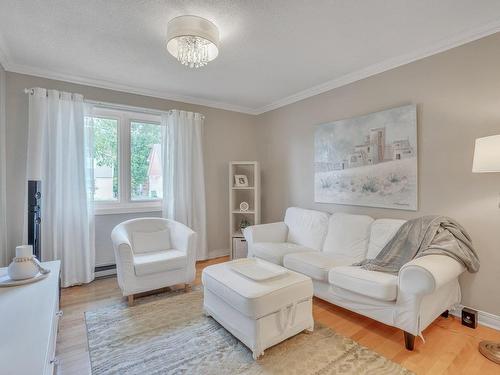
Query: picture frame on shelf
240	180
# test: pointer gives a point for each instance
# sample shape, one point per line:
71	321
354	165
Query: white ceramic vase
23	267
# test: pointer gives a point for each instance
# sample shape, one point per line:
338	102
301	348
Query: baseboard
218	253
103	271
484	318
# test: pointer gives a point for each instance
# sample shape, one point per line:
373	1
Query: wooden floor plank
450	348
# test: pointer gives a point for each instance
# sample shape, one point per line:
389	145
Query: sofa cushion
347	237
255	299
275	251
379	285
143	242
306	227
159	261
313	264
382	231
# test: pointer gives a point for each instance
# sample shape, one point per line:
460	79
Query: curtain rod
123	107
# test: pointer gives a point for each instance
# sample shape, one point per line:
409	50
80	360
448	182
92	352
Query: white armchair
153	253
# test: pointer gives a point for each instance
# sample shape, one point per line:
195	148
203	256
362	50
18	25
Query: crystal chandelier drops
192	51
192	40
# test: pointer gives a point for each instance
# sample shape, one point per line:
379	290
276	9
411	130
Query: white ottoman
259	313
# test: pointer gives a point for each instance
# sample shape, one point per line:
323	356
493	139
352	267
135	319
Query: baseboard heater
103	271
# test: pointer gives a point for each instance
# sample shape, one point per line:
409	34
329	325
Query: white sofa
325	246
152	253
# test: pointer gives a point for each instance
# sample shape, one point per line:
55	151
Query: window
146	180
127	162
105	159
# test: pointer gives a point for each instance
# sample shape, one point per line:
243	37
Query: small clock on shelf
244	206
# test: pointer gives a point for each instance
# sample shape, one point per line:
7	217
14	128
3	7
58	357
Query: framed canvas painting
368	160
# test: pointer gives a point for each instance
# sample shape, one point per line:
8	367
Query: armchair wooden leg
409	341
131	300
445	314
187	287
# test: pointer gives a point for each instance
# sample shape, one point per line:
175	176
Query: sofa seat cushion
314	264
159	261
378	285
275	251
255	299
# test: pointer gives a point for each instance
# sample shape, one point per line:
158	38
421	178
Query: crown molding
104	84
443	45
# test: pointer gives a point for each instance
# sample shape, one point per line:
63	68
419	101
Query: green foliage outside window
106	147
143	137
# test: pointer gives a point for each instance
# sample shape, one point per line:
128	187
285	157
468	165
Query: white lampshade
487	155
192	40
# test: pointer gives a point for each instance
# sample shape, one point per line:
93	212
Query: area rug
168	334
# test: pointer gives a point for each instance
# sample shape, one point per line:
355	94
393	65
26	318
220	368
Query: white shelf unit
238	194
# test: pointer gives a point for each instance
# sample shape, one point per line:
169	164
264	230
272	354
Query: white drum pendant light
192	40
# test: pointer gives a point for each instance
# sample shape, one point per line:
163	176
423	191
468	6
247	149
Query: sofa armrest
274	232
122	245
428	273
181	236
124	257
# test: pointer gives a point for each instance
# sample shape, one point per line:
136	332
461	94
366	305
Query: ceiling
272	52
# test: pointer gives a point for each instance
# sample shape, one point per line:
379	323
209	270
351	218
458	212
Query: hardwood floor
450	347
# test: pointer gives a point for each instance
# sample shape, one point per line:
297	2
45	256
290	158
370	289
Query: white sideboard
29	317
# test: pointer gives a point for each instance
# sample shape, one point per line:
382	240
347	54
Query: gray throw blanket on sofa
424	236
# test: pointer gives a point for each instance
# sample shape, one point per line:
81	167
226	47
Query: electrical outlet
469	317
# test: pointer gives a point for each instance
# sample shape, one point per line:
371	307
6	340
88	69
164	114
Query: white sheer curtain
5	255
183	173
60	155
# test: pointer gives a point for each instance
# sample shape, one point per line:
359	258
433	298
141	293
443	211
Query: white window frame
124	203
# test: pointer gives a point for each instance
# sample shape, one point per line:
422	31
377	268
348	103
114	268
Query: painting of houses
369	160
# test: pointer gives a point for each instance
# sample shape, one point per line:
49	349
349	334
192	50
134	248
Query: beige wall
228	136
458	99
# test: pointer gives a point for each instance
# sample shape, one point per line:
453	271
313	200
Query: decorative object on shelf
244	206
22	266
25	268
239	248
244	223
369	160
192	40
487	159
240	180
